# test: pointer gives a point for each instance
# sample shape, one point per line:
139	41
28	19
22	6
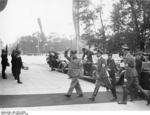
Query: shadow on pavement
35	100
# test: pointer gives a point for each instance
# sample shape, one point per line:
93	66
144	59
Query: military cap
125	46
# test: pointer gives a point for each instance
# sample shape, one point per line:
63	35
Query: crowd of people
105	75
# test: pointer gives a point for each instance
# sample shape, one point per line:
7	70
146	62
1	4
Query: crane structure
42	36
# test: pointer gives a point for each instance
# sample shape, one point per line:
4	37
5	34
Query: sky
19	18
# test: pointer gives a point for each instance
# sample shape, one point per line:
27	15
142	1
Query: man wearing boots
102	78
74	72
130	77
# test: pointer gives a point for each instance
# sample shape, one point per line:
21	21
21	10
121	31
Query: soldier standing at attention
74	72
102	78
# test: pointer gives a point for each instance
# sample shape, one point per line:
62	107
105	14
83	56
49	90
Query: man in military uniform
102	77
74	72
130	77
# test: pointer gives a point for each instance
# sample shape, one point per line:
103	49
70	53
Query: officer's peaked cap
125	46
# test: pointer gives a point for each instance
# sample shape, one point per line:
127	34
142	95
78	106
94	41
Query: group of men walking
105	75
16	62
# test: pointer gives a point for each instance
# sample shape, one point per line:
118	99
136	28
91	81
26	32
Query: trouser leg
146	94
3	71
78	88
13	72
17	75
72	86
113	90
125	94
97	86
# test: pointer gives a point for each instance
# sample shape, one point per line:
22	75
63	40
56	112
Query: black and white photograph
74	55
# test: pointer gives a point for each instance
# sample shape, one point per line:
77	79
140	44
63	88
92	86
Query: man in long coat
4	62
18	65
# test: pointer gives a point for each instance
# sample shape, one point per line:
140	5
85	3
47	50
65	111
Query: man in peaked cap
130	77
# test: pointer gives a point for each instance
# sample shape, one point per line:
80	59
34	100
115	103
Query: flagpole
76	22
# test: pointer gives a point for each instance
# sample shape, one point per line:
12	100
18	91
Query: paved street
46	90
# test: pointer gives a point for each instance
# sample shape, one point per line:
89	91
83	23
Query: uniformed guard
102	77
4	63
75	71
130	77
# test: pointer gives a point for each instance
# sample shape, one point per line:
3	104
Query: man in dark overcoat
112	70
18	65
4	62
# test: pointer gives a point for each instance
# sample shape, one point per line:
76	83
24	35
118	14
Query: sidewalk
39	81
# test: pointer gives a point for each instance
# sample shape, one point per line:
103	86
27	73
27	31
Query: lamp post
3	4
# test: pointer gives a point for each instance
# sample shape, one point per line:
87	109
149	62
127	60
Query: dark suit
4	63
17	67
112	69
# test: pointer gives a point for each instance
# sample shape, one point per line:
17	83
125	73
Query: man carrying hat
18	65
74	71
